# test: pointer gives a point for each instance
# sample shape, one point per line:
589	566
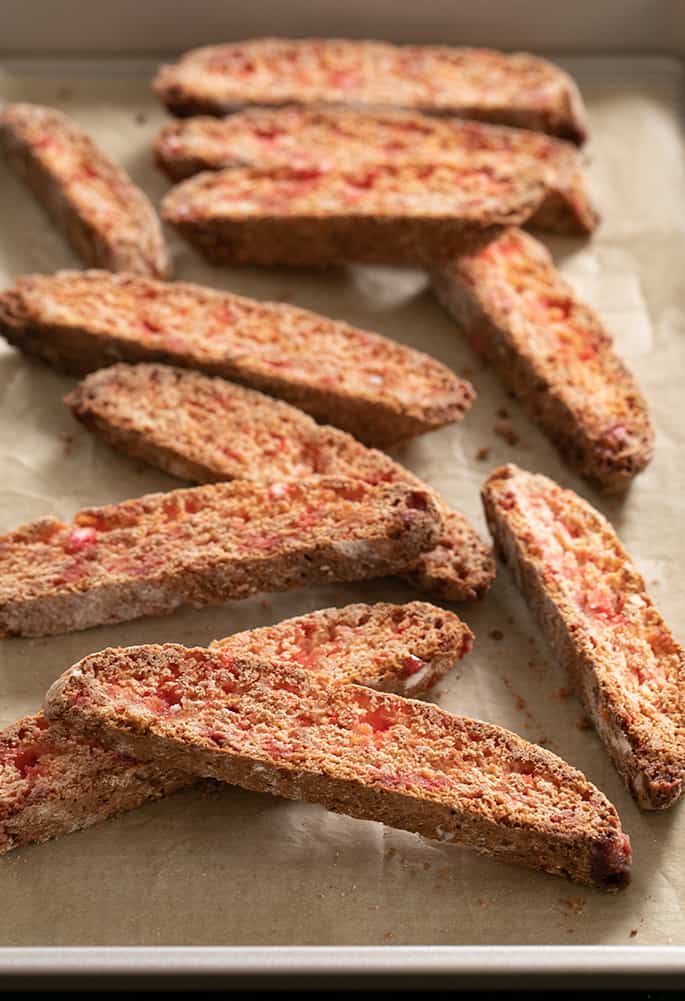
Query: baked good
107	220
553	353
411	214
324	138
378	390
53	782
515	89
601	624
206	429
204	546
371	755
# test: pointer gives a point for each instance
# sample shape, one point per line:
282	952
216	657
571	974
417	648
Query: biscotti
53	782
378	390
514	89
321	138
204	546
553	353
206	429
107	220
601	625
412	214
368	754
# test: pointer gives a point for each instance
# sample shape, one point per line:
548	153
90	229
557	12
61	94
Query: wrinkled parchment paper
230	867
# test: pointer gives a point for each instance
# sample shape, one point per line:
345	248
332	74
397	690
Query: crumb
483	454
583	723
496	634
503	413
265	605
63	93
388	936
633	932
426	866
574	904
654	582
466	372
442	872
68	438
562	693
140	118
506	430
543	741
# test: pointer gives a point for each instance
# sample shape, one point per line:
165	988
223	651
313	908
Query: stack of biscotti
108	221
322	138
204	546
206	429
553	352
273	729
54	781
380	391
516	89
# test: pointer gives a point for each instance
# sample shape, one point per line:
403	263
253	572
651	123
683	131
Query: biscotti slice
322	138
53	782
368	754
553	352
378	390
107	220
204	546
207	429
411	214
515	89
601	624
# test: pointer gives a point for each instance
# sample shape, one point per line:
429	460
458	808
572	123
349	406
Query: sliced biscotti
515	89
204	546
378	390
53	781
601	624
553	352
368	754
322	138
207	429
108	221
407	214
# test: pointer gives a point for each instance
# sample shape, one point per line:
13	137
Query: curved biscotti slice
516	89
601	624
367	754
553	353
378	390
411	214
204	546
207	429
53	782
322	138
108	221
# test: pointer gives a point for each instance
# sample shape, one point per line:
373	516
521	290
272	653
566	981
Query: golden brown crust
515	89
108	221
206	430
601	624
378	390
368	754
554	354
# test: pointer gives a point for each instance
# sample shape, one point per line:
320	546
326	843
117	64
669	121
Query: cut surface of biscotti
53	782
206	429
377	389
204	546
515	89
107	220
553	352
600	623
368	754
323	138
408	214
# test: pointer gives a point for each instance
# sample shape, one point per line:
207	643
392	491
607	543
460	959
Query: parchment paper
231	867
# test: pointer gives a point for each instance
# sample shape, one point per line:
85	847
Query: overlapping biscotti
207	429
53	782
108	221
204	546
515	89
378	390
553	353
601	624
368	754
322	138
408	214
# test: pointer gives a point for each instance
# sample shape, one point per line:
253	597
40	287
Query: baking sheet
229	867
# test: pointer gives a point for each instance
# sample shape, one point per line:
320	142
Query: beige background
230	867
